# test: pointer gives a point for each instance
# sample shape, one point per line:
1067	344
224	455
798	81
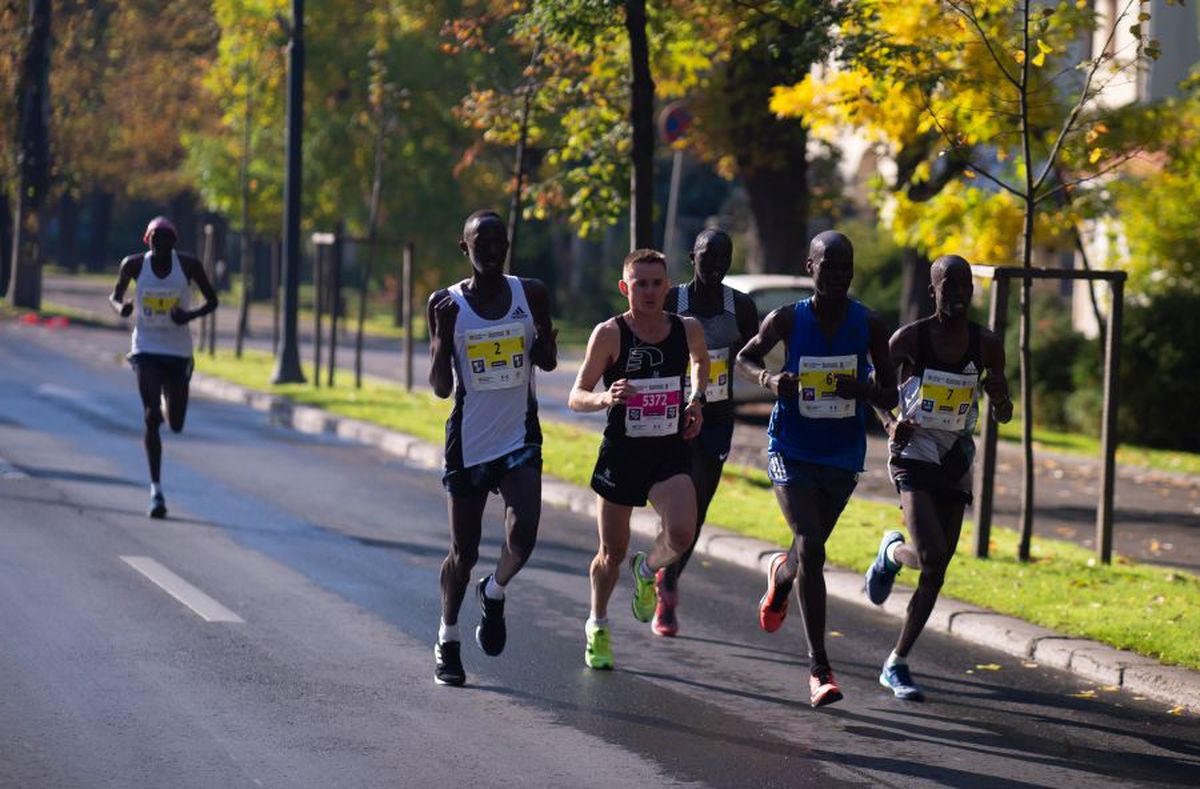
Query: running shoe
491	634
897	677
822	687
644	595
773	606
449	668
598	654
158	506
882	572
665	622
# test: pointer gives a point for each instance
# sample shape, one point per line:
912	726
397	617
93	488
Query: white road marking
9	471
201	604
61	392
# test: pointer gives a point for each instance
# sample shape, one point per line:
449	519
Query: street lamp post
287	360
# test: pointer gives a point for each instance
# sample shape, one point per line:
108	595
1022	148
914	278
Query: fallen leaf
1175	711
1029	664
1084	694
988	667
835	634
970	671
1110	688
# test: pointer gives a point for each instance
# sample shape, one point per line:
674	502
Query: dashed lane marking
201	604
9	471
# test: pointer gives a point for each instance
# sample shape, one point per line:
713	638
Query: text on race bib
654	408
818	386
939	400
157	306
496	357
718	376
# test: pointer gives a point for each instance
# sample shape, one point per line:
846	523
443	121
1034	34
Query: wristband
762	379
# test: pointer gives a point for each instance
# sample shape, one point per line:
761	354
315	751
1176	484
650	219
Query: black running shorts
626	470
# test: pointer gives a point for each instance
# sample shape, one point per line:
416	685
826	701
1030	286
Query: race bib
939	400
157	306
718	376
496	357
654	409
818	383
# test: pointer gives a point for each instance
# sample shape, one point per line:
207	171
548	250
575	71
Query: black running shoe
449	669
491	635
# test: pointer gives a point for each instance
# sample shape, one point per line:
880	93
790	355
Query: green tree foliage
369	62
124	88
722	55
1156	205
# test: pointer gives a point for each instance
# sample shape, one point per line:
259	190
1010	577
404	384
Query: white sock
895	660
155	489
447	632
890	553
597	621
492	589
644	571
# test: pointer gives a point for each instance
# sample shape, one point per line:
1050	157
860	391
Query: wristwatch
699	397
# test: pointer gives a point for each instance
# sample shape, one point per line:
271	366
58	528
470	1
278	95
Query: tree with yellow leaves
994	113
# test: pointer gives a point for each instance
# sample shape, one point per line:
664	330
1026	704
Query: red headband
158	223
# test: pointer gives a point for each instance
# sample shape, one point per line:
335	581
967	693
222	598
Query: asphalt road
328	553
1157	515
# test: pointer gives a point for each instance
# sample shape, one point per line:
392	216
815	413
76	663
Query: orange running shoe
822	687
772	608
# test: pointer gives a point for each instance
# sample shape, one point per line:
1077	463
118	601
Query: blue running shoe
882	572
897	677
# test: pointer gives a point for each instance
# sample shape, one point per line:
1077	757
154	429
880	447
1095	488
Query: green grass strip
1079	444
1151	610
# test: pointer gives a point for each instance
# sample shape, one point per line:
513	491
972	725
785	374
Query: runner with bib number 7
941	360
818	434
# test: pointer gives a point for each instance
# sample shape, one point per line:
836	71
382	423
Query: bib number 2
496	357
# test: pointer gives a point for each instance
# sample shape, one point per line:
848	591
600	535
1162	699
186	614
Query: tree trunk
1026	524
33	157
6	220
101	219
774	170
247	249
915	299
68	239
779	203
641	117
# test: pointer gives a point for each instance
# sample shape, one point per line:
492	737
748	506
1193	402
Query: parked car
770	292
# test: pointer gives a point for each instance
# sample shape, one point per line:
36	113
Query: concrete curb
1091	660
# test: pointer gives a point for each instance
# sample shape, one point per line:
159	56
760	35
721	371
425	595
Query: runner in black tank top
729	319
940	361
642	356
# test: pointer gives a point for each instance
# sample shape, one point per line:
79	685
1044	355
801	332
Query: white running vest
494	390
153	329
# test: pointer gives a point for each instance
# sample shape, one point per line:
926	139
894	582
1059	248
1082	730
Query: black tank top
971	361
638	359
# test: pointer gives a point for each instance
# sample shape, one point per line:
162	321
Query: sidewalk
1096	662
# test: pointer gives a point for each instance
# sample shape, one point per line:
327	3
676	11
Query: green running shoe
645	596
598	654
